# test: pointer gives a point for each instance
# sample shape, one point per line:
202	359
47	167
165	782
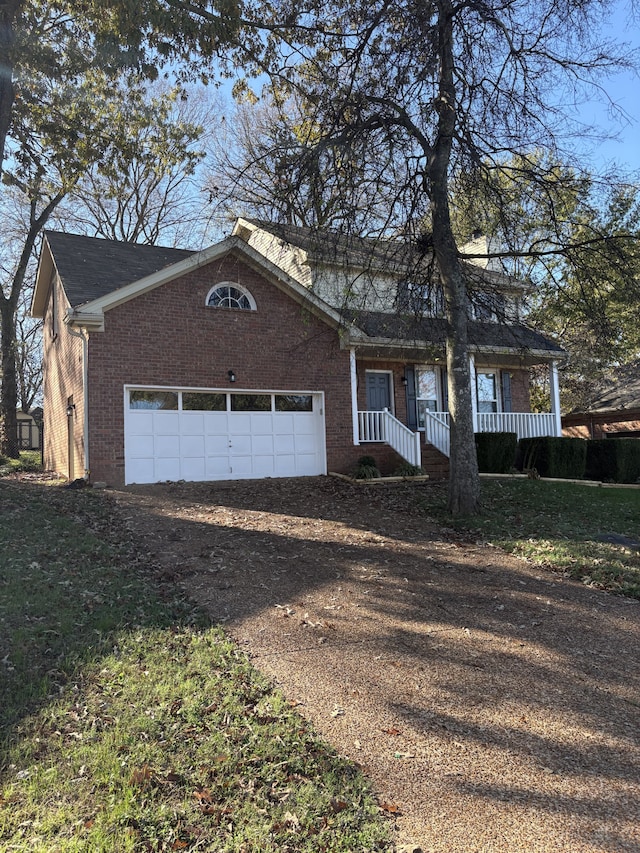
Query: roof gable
373	254
98	274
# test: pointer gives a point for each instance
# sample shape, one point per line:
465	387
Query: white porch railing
436	430
383	426
524	424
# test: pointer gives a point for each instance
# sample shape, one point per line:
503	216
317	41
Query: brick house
612	412
275	352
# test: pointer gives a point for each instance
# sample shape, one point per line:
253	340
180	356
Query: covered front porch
413	413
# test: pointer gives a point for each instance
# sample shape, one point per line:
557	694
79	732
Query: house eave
46	266
416	350
87	320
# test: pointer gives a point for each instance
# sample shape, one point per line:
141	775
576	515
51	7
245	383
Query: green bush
496	451
613	460
366	469
408	470
553	456
367	472
366	462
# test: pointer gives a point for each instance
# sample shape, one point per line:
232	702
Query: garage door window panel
199	402
251	402
154	400
294	403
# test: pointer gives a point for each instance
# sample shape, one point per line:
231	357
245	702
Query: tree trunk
8	12
464	482
8	395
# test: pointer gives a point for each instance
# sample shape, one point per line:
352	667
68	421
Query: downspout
85	395
353	381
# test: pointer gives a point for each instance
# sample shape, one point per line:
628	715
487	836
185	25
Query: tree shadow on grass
71	583
427	609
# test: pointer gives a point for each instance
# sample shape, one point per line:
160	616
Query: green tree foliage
62	113
576	238
144	184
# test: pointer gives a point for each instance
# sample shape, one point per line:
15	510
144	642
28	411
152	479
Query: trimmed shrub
408	470
367	469
613	460
553	456
496	451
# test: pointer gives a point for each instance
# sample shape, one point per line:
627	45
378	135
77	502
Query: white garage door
182	434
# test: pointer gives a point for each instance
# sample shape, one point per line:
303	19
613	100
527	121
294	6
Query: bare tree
264	163
28	357
446	89
147	185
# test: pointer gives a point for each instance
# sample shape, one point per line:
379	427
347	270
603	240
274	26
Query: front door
378	391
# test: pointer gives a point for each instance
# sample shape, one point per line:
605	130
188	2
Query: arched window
228	295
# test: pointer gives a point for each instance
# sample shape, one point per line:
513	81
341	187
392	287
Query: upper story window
488	307
424	299
228	295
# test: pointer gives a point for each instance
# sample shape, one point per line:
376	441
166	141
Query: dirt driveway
494	706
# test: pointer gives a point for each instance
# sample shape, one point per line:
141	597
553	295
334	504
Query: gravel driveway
495	706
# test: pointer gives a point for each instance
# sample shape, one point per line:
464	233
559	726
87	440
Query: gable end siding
62	378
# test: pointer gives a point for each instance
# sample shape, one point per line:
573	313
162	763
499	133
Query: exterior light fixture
404	381
231	375
71	409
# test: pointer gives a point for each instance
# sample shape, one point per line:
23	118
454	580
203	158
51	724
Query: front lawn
129	724
592	534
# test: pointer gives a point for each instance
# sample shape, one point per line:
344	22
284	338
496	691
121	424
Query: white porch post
354	396
554	390
474	393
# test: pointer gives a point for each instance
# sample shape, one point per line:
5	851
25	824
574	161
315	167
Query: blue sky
624	91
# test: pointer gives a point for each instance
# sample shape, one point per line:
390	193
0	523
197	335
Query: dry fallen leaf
390	808
141	776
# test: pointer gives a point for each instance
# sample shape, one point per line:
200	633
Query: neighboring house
613	412
276	352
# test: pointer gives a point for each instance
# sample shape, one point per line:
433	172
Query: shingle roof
329	246
412	329
393	256
90	267
622	392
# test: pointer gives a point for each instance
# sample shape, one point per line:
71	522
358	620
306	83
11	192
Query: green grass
129	724
558	525
29	460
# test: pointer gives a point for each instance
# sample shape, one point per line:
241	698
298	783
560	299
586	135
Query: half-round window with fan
228	295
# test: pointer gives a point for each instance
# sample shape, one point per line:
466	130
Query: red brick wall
600	425
62	363
520	396
169	337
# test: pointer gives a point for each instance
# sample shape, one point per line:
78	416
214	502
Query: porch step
434	463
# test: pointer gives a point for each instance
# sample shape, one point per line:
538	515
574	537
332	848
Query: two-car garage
208	434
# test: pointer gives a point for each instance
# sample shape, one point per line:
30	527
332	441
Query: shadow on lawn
469	626
430	607
71	582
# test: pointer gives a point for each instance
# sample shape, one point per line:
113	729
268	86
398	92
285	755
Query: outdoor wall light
404	380
231	375
71	409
